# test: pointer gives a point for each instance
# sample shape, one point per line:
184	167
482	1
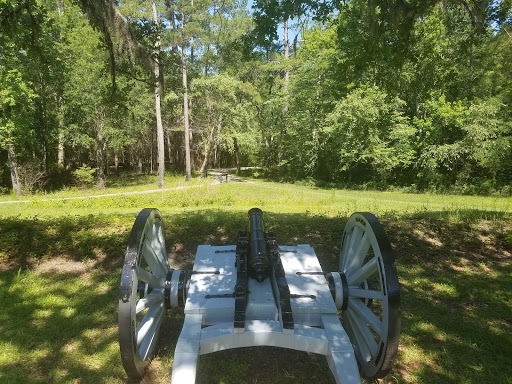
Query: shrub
32	177
84	176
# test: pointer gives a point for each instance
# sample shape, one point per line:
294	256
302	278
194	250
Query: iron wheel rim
139	318
372	316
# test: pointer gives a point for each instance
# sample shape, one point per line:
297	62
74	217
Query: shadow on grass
25	243
58	327
58	324
456	299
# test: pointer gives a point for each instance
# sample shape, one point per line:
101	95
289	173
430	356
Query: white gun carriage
258	293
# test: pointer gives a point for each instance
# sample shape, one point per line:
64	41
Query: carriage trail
219	176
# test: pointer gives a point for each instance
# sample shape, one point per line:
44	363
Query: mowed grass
122	184
60	264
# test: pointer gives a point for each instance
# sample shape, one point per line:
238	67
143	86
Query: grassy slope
61	263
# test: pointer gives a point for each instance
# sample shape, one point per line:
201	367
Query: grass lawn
60	265
122	184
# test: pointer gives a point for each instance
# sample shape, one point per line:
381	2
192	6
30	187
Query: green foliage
16	101
368	131
85	176
225	106
410	94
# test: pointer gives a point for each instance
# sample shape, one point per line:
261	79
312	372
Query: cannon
258	293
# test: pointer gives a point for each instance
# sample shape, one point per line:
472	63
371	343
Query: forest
412	94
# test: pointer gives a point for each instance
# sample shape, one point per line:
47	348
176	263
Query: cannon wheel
371	311
141	297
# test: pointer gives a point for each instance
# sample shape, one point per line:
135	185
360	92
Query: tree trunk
169	149
206	61
45	155
158	93
287	71
268	144
151	159
237	157
13	166
204	165
60	159
471	64
59	101
100	153
190	122
209	143
191	50
139	155
116	163
188	170
61	138
192	40
286	83
190	112
173	23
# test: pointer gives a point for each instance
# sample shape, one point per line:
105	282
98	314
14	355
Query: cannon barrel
259	262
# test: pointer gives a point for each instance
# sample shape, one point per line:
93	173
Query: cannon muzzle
259	261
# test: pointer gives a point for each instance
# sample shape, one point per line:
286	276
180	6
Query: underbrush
476	187
123	184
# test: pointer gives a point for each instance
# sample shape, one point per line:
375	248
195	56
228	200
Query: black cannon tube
259	263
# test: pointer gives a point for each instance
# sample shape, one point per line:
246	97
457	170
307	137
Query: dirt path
219	176
215	182
223	175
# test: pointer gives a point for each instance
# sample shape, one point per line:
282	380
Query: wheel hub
175	292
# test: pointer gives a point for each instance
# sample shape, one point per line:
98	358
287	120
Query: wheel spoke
155	234
154	262
147	301
360	253
149	278
351	244
358	276
366	314
150	230
149	323
361	345
344	251
148	344
364	332
365	293
354	240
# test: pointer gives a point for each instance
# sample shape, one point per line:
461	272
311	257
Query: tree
225	108
24	43
414	92
16	105
88	93
159	89
185	100
314	88
107	18
366	134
